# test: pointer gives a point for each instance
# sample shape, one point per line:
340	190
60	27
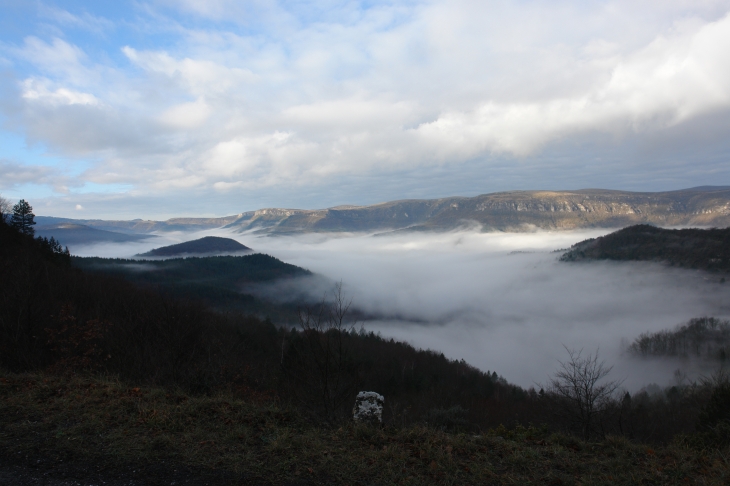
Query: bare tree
580	387
6	208
321	365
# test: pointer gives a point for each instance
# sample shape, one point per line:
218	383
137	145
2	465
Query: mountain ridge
505	211
71	233
499	211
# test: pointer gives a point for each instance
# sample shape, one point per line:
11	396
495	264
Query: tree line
21	218
703	337
706	249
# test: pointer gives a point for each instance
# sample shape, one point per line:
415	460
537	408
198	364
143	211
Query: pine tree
22	218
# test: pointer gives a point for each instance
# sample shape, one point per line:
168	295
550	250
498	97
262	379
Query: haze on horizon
160	108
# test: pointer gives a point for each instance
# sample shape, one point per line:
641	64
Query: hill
706	249
73	234
219	281
501	211
202	246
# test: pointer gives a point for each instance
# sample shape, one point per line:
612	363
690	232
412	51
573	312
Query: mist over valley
500	301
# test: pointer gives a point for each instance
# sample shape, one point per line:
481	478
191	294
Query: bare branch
323	358
579	384
6	208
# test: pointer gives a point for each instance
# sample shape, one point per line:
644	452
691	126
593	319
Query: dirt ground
37	470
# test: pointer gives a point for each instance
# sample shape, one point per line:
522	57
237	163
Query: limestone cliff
507	211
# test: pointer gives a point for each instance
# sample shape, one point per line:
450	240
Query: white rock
368	407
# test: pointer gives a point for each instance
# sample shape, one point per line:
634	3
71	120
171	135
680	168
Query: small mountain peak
204	246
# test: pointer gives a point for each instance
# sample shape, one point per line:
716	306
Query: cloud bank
502	302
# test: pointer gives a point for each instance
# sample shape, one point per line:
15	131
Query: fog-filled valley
500	301
413	242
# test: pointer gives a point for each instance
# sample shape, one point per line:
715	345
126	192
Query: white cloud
13	174
291	96
57	58
187	115
37	90
199	77
666	83
86	21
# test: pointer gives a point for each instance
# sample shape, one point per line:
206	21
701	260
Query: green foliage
23	218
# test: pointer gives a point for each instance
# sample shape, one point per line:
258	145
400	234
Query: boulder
368	408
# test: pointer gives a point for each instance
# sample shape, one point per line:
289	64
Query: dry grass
252	440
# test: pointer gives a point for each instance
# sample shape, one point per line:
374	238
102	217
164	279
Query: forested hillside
57	316
706	249
223	283
705	337
205	245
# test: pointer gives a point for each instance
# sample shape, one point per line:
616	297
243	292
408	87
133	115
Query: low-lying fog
502	302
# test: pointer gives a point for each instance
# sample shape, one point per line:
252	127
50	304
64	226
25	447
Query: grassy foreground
238	437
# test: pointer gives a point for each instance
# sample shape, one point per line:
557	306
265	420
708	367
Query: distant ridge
203	246
144	225
79	234
512	211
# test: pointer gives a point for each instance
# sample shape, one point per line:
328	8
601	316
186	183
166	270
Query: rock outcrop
506	211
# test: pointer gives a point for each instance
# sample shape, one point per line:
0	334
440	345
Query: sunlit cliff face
500	301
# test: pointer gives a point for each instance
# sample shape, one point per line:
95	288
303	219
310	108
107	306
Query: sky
161	108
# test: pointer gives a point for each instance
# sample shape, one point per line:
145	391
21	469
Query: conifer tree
22	218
